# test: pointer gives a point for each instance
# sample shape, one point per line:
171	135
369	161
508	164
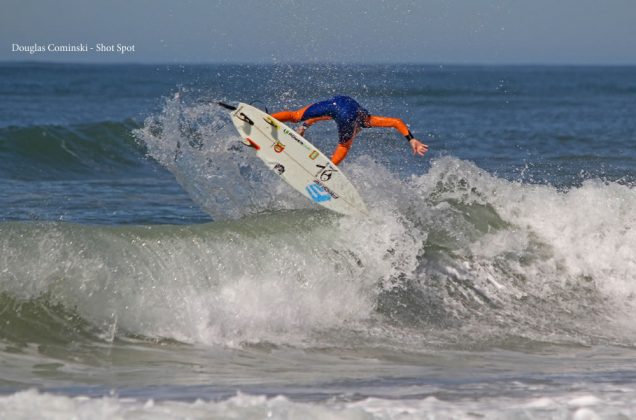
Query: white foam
35	405
584	401
585	414
579	244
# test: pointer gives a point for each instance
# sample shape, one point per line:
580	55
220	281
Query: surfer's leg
319	109
316	110
341	151
293	116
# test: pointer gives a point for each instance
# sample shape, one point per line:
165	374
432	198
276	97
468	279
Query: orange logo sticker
313	155
279	147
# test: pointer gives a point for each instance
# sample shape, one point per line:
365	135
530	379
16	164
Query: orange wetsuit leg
341	151
293	116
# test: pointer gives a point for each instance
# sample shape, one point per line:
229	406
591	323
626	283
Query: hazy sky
367	31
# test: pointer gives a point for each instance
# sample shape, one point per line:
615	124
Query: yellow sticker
270	121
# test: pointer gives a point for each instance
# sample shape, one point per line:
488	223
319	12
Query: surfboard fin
245	118
249	142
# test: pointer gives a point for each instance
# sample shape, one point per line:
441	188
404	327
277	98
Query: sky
324	31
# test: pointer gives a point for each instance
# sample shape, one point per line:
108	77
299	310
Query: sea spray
199	145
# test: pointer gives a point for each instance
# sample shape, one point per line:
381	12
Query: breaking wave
455	257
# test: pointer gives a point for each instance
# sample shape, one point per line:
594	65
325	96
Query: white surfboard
296	160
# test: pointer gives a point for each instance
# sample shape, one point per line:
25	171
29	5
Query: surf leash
226	106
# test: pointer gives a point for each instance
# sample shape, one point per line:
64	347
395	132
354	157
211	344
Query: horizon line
310	63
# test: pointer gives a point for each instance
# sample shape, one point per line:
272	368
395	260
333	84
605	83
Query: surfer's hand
301	130
418	147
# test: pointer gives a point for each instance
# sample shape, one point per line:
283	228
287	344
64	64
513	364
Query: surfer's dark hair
363	117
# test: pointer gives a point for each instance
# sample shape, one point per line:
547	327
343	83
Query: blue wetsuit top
345	111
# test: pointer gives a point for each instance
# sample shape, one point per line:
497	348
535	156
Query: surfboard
298	162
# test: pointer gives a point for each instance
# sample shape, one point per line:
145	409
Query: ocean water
151	267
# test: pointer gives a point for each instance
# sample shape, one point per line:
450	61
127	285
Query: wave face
453	258
95	150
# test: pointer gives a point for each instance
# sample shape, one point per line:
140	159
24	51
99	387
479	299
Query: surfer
350	118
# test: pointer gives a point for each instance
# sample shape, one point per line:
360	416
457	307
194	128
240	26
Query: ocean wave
455	257
67	152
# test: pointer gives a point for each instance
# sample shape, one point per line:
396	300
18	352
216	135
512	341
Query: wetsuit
349	116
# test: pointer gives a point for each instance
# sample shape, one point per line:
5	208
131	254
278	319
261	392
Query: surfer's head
350	128
362	117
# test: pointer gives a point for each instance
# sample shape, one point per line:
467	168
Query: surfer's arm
398	124
377	121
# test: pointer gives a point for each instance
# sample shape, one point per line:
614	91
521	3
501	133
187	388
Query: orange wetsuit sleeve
398	124
341	151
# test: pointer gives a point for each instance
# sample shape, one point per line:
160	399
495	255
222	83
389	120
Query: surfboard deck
298	162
